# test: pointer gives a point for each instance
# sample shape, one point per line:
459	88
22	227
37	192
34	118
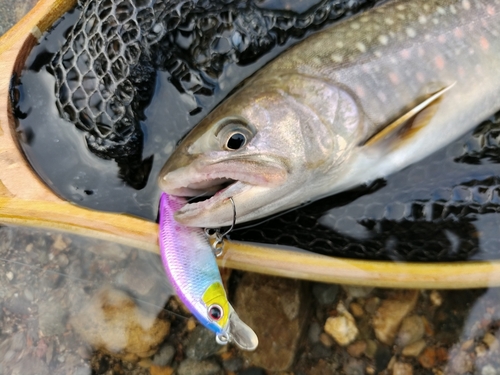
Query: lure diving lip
190	265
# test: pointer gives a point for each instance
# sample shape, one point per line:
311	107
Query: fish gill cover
133	76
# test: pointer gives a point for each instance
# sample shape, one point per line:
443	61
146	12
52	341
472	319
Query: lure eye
215	312
236	141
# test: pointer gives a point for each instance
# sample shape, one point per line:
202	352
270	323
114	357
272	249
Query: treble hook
218	244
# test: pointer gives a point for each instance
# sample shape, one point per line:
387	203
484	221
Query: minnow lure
190	265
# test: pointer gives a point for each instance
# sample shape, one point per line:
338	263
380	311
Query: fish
190	266
350	104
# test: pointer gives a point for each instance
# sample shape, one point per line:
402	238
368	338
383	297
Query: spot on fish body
442	39
439	61
411	32
383	39
339	44
394	78
406	54
420	77
441	10
483	42
490	10
458	33
453	10
382	96
400	7
336	58
389	21
359	91
422	19
466	4
361	47
355	26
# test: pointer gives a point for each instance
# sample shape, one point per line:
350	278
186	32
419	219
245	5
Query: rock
401	368
427	358
18	305
110	250
412	329
325	294
322	368
314	332
113	323
488	370
194	367
201	344
164	355
276	309
356	309
371	348
354	367
436	298
382	358
357	349
461	363
391	313
138	277
233	364
414	349
161	370
51	318
253	371
342	328
318	350
357	291
326	340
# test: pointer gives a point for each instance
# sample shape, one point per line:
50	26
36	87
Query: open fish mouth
211	186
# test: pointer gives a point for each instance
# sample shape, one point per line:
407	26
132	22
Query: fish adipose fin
406	126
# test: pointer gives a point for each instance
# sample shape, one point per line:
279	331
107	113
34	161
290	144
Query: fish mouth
209	187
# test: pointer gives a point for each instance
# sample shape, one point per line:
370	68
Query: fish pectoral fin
406	126
241	334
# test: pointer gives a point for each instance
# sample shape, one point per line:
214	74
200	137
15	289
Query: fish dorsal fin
411	122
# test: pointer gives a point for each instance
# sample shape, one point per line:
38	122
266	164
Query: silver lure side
355	102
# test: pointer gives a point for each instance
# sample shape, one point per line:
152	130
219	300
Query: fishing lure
190	265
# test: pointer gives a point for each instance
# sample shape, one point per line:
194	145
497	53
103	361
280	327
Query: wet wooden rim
25	200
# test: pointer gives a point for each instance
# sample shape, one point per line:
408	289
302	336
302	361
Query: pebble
10	276
357	349
51	318
193	367
488	370
164	355
201	344
436	298
412	329
391	313
314	332
461	363
326	340
354	367
356	309
342	328
233	364
318	351
357	291
325	294
414	349
161	370
113	323
427	358
276	309
401	368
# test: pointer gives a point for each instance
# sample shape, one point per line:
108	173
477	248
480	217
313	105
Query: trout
355	102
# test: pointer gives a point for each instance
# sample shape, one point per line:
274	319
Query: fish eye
236	141
233	133
215	312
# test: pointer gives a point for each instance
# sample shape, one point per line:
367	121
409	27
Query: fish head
262	147
223	320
